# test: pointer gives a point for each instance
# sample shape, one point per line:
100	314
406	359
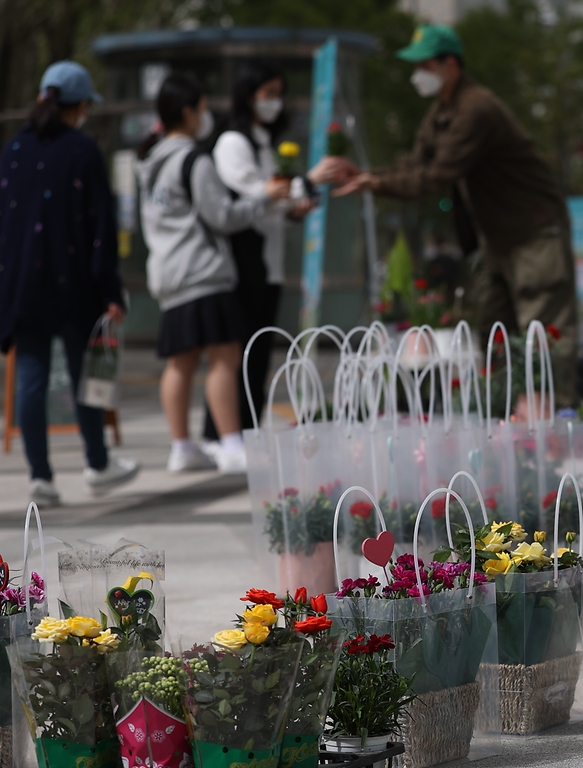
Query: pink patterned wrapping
151	738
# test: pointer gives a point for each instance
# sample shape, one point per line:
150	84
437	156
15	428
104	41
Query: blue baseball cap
73	81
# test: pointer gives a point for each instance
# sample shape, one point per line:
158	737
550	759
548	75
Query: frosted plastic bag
100	376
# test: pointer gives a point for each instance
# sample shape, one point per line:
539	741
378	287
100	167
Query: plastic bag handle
337	516
566	476
463	473
428	498
469	371
103	324
332	332
32	507
538	329
498	326
302	414
256	335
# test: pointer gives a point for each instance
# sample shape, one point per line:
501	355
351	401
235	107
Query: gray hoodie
189	257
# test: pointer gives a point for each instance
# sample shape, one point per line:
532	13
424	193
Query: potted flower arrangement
338	141
13	624
370	697
300	532
287	159
439	647
538	623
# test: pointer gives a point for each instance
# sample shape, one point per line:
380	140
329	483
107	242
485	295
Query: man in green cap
506	200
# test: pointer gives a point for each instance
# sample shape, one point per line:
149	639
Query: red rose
499	337
334	127
382	643
319	604
491	503
553	332
313	624
455	383
437	508
301	595
262	597
361	509
421	284
549	499
288	492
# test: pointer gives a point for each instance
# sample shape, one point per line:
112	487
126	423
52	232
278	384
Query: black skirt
215	319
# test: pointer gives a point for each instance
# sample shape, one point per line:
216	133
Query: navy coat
58	238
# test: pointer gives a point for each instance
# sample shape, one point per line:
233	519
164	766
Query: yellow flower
261	614
540	536
570	536
230	638
517	532
497	567
83	626
494	542
560	552
256	633
533	553
51	631
106	641
289	149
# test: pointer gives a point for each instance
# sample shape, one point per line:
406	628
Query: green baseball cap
431	40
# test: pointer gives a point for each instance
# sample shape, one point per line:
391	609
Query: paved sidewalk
202	520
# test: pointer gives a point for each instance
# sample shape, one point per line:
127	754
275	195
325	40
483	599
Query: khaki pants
535	281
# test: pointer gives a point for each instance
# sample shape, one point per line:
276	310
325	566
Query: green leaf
272	679
204	697
442	554
104	620
83	710
66	610
224	707
69	724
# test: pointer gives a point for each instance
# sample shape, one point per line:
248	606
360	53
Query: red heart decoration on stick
4	574
379	550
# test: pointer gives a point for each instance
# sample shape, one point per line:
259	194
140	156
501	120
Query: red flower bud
301	595
319	604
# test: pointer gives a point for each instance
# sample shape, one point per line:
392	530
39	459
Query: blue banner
321	114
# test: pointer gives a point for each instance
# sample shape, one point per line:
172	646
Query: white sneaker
44	494
231	462
210	448
117	472
189	461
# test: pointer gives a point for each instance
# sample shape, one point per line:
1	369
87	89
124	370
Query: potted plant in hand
369	698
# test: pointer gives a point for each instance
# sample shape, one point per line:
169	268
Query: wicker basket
6	746
531	697
440	728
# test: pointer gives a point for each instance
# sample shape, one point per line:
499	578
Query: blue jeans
33	363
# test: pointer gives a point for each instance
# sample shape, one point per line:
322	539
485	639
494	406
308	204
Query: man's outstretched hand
333	170
358	183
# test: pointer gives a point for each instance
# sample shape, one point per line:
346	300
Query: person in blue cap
58	266
505	199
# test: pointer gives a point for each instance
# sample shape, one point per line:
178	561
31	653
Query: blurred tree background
533	59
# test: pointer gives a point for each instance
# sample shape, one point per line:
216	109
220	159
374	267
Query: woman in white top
245	159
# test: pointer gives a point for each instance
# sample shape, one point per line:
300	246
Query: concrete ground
202	520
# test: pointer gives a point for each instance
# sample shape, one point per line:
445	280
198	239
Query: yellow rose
256	633
83	626
51	631
533	553
497	567
494	542
230	638
289	149
106	641
570	536
261	614
540	536
517	532
560	552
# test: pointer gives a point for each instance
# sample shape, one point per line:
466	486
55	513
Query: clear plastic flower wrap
236	699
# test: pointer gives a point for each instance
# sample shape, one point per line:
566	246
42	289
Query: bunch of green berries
159	680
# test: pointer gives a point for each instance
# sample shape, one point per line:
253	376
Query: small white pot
352	744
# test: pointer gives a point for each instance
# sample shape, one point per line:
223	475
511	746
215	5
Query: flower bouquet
238	688
62	683
13	624
539	632
370	697
287	159
300	532
442	621
147	697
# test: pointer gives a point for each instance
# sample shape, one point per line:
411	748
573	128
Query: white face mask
267	110
206	125
426	83
81	121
